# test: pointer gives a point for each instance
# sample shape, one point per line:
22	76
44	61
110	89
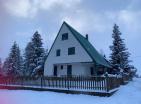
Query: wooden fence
102	84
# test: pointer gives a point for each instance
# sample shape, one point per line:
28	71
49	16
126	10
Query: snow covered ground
128	94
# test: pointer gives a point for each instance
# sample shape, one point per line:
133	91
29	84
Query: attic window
71	51
65	36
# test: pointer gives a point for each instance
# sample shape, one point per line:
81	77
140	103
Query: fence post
68	82
41	82
21	81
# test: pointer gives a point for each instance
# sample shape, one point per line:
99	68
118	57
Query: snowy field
128	94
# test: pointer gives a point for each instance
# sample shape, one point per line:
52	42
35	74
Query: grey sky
19	19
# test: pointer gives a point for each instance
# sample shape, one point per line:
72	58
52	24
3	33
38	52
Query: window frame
71	51
65	36
58	52
62	67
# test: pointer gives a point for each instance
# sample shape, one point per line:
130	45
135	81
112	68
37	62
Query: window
61	66
71	51
92	70
65	36
100	71
58	52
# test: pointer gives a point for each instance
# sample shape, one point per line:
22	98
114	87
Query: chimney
87	37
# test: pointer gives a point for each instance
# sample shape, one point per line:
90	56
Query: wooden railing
96	83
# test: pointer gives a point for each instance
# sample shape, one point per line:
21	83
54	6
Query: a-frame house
73	54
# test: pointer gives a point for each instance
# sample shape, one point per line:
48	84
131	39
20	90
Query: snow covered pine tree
6	66
34	55
119	57
14	61
1	72
29	59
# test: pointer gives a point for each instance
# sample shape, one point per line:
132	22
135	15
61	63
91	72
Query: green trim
83	47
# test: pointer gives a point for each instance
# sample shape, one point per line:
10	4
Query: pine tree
1	71
29	59
34	54
45	56
38	49
6	66
44	59
14	61
120	55
21	71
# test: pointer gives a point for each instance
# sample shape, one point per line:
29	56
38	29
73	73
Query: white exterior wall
77	69
80	54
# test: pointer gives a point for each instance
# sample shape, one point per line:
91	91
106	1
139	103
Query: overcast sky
19	19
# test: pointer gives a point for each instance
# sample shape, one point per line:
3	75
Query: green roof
93	53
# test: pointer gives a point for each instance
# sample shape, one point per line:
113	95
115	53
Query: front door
69	70
55	71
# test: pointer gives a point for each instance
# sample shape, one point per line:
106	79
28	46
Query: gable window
71	51
58	51
65	36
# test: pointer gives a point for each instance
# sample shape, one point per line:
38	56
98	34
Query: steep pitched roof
93	53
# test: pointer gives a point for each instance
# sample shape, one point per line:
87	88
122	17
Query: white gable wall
80	54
